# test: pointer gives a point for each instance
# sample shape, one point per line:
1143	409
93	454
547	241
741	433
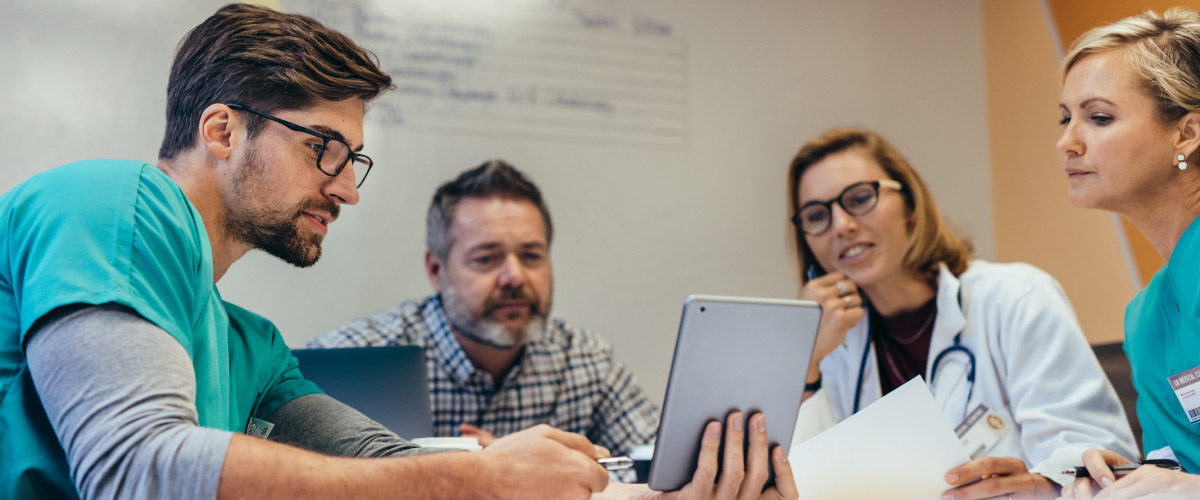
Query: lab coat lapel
869	377
950	386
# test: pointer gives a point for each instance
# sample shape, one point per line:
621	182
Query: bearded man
497	363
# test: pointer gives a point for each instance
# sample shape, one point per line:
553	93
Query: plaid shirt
566	378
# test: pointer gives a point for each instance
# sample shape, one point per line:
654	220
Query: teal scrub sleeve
258	347
287	384
107	232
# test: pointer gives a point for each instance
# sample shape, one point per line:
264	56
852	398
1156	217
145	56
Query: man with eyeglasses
122	372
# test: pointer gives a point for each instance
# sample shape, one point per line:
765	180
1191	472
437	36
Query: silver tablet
732	354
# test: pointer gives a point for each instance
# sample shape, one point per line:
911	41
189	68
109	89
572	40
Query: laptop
387	384
732	353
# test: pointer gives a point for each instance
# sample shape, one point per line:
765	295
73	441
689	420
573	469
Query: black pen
1121	470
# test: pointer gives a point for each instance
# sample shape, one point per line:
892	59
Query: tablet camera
701	308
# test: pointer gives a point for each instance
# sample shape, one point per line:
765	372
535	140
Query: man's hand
542	462
741	479
485	438
1002	477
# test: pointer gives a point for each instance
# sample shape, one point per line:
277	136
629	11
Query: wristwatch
812	386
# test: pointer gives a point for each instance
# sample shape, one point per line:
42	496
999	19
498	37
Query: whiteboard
663	156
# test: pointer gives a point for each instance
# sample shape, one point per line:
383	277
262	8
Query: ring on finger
849	301
842	288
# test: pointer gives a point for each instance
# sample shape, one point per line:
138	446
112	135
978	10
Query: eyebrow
334	134
1088	101
491	245
834	199
494	245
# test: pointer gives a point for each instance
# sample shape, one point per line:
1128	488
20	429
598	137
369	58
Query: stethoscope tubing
957	347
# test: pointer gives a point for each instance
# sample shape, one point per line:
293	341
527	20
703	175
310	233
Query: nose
512	273
841	222
341	189
1068	144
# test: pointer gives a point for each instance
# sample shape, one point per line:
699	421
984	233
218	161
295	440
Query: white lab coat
1033	367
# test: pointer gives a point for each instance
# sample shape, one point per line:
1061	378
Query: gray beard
485	330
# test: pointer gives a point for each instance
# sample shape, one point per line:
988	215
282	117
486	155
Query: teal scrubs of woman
1162	339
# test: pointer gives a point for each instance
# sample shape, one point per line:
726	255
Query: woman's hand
841	309
1152	483
1097	463
1147	482
1003	477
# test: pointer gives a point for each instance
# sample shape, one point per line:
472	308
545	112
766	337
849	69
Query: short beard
275	231
485	330
281	239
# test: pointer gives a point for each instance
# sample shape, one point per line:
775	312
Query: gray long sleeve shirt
120	393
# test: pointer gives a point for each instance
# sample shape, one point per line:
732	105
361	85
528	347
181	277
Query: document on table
900	448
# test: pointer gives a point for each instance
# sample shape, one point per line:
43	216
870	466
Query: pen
1121	470
616	463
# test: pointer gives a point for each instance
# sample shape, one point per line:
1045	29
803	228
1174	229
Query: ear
217	126
1188	139
434	270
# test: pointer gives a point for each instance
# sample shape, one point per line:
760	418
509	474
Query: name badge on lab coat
1185	385
981	430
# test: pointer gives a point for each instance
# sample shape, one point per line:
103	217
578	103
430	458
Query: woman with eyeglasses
1131	116
901	297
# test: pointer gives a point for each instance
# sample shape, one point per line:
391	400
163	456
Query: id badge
1185	386
981	430
258	427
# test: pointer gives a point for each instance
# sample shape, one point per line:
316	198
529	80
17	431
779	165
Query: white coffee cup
449	443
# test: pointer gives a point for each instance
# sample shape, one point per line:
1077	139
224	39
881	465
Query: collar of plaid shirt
452	356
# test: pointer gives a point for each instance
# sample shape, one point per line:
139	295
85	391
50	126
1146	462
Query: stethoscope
937	360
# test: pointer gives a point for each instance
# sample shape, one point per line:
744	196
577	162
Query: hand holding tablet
732	356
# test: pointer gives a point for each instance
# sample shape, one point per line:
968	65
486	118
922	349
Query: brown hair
265	60
1163	50
494	178
930	239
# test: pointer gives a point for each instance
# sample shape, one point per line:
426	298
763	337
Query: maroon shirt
902	344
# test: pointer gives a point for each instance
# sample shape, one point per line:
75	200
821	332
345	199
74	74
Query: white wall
638	228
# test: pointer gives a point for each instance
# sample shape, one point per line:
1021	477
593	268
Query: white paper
899	448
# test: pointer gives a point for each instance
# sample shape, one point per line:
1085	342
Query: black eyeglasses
332	155
859	198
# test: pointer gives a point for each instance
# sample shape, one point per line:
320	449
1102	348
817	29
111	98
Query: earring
1182	164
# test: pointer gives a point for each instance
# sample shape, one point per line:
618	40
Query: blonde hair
930	239
1164	51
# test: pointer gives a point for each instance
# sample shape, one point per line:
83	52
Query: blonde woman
901	296
1131	115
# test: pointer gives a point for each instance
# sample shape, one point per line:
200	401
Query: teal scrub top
115	231
1162	339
